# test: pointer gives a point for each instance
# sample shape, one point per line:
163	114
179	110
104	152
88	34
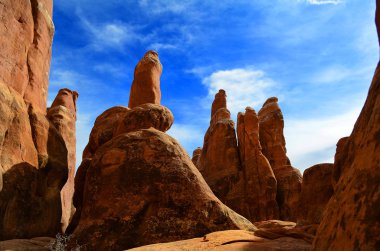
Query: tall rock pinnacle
272	140
62	114
146	83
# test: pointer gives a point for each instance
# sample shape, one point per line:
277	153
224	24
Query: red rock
258	180
351	220
144	117
339	155
220	101
156	193
196	157
103	129
62	114
119	120
146	84
219	161
272	140
315	193
278	236
32	178
25	54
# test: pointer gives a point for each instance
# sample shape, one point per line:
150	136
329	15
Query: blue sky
317	57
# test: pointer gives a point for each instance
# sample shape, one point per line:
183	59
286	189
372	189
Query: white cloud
84	125
66	78
189	136
308	137
111	35
112	69
165	6
162	46
244	87
319	2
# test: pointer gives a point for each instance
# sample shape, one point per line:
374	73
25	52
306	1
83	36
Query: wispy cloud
112	34
162	46
189	136
320	2
307	137
244	87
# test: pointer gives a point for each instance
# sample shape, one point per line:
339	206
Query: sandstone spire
272	140
146	84
260	184
62	114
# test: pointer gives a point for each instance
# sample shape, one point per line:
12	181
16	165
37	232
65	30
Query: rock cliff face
315	193
146	82
351	219
34	169
25	54
138	186
272	140
62	114
33	154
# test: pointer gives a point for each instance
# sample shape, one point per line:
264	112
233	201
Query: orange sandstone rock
258	180
315	193
272	140
62	114
146	84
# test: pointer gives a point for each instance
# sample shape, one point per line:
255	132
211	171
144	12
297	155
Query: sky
317	56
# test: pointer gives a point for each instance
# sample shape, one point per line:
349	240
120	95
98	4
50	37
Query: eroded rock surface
138	186
62	114
146	83
316	191
258	179
272	140
271	236
25	52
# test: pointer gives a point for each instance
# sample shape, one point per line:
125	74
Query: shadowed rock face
156	192
272	140
196	157
146	83
315	193
25	52
62	114
351	219
33	170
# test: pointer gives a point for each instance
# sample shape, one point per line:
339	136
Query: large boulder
351	220
62	114
272	140
146	83
27	30
315	193
156	193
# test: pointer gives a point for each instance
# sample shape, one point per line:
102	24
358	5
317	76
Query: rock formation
27	30
33	164
137	185
62	114
315	193
272	140
33	153
260	184
219	161
146	83
351	219
271	236
196	157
